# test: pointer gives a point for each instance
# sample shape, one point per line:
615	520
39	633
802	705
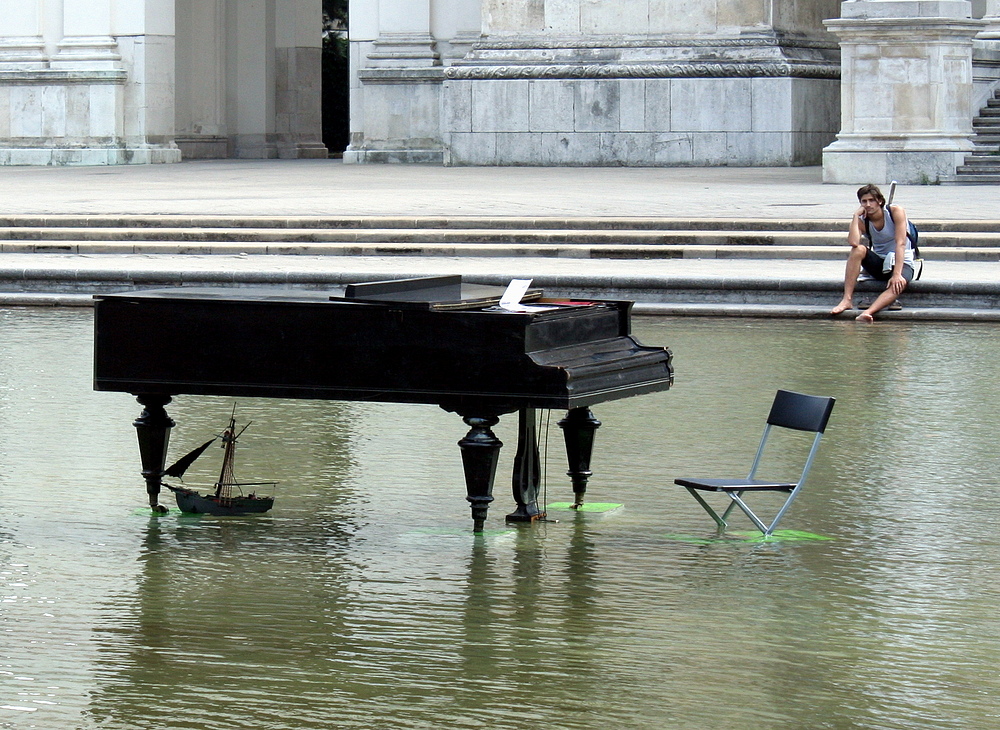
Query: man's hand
896	283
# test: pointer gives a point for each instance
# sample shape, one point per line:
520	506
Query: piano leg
152	427
480	453
578	431
527	466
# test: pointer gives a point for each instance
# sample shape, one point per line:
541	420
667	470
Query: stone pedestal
396	87
906	91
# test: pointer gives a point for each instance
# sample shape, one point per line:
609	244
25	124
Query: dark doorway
336	94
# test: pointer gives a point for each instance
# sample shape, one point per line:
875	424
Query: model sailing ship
228	498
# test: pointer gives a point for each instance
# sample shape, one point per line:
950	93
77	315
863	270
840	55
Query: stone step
237	240
758	287
981	163
94	225
990	111
977	178
567	250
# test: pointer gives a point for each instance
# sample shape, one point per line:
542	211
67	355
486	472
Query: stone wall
598	82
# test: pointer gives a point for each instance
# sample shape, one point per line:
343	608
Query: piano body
431	340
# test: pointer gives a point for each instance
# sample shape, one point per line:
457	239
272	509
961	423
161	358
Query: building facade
143	81
861	86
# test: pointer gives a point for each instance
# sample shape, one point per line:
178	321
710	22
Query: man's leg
851	272
886	298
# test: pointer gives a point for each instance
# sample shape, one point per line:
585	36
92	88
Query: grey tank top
884	241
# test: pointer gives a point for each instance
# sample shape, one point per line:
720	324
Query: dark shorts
873	265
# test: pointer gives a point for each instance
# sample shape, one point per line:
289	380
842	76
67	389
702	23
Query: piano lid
429	292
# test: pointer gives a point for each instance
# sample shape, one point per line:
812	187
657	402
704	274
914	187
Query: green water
364	601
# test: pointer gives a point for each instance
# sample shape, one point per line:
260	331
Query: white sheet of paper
511	299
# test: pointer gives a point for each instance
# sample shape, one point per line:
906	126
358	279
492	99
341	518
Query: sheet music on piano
511	299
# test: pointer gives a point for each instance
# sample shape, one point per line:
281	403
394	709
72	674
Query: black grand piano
428	340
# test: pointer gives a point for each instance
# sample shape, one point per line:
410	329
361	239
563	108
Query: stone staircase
983	165
594	238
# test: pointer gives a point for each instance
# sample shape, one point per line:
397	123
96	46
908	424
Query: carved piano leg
527	466
578	431
152	427
480	453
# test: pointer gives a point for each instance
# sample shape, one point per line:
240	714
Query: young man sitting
888	256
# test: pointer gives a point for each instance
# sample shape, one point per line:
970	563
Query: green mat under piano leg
586	507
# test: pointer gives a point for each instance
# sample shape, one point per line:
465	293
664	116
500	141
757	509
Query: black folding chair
789	410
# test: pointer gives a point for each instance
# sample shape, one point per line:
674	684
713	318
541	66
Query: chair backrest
801	412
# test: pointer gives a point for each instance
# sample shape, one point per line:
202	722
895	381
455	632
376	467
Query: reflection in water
363	600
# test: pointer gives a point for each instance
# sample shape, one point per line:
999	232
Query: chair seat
734	485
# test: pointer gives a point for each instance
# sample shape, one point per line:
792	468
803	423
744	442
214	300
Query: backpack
911	233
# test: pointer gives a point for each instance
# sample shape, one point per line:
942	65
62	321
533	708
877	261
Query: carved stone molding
645	71
543	43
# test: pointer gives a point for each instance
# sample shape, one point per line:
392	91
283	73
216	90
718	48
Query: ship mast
224	487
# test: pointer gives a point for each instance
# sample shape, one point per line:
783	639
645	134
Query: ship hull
194	503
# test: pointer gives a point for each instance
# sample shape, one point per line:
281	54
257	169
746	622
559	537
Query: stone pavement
327	188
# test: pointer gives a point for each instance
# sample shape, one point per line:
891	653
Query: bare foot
864	317
844	305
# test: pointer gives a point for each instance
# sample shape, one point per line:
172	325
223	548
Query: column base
914	167
403	156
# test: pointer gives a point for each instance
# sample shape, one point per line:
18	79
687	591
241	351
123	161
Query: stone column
992	19
200	87
87	42
395	114
22	45
404	39
298	78
250	45
906	91
144	32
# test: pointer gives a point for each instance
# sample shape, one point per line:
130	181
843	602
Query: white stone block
668	16
106	111
500	106
569	149
26	111
671	148
597	105
658	105
550	105
519	148
473	149
771	104
53	108
612	17
632	103
4	112
558	16
710	105
457	103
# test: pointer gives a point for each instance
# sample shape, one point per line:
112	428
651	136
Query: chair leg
749	513
720	521
732	503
